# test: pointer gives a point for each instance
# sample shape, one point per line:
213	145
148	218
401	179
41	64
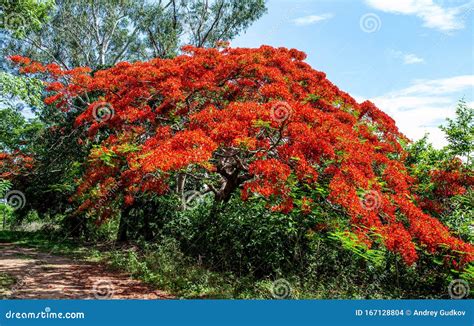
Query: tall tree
97	33
460	132
16	92
259	122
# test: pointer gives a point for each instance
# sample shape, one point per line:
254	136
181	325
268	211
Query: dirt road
41	275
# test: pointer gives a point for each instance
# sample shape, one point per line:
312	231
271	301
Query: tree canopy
102	33
460	132
256	122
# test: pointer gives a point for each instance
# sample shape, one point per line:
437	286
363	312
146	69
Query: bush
240	248
242	237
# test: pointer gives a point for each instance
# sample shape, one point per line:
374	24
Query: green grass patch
164	266
51	243
6	283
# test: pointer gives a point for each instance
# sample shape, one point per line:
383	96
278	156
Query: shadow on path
46	276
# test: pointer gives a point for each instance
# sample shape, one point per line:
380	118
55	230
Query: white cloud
311	19
411	58
433	15
407	58
440	86
423	106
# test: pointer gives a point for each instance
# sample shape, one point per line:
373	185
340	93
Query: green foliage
101	33
6	283
240	237
235	251
350	242
329	273
23	16
20	88
459	217
423	159
5	210
225	19
468	274
96	34
16	132
460	132
5	185
230	251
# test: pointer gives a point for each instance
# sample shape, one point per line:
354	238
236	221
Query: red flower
211	114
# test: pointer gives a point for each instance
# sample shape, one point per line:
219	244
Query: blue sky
413	58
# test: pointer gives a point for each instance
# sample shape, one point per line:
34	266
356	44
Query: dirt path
45	276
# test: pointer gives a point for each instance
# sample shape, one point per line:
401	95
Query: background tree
460	132
101	33
17	93
444	177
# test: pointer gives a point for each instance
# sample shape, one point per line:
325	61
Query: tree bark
146	231
77	226
122	235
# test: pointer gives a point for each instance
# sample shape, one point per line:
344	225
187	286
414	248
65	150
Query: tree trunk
4	219
77	225
147	234
122	234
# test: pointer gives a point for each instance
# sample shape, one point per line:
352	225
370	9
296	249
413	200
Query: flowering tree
259	122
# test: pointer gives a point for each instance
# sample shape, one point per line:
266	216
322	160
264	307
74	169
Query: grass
54	245
162	267
6	283
166	268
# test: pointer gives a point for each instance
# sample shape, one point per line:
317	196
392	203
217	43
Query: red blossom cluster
454	178
14	164
212	112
